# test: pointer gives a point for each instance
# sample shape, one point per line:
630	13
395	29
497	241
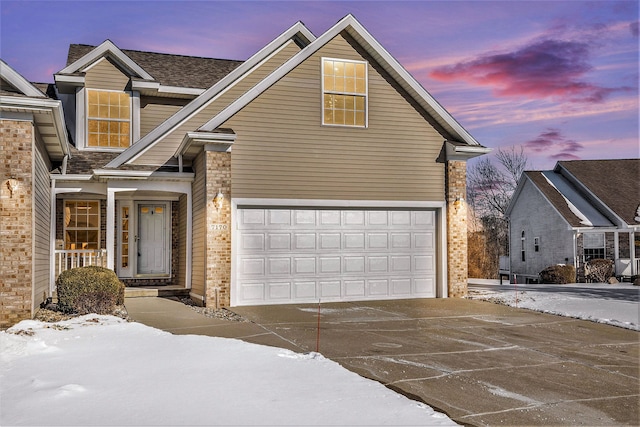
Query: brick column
456	189
218	252
16	225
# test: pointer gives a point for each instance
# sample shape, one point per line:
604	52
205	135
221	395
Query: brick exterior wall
16	222
457	267
218	251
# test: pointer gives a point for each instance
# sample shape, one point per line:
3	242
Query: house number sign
217	227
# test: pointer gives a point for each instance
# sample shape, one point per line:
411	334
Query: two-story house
317	169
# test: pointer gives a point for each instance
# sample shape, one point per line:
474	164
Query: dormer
99	87
113	97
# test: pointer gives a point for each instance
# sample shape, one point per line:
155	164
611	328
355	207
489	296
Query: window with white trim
344	92
593	246
81	224
108	119
522	247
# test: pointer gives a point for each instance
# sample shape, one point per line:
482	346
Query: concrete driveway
480	363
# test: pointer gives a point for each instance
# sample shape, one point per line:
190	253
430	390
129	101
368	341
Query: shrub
598	270
558	274
89	290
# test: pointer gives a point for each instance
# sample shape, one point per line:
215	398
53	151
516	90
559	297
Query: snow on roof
579	206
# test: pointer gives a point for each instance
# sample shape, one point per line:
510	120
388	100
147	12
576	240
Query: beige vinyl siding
164	150
182	241
104	75
155	110
199	221
42	226
284	151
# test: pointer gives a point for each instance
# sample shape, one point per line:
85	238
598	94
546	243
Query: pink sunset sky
559	78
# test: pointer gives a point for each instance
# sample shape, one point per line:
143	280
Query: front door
152	239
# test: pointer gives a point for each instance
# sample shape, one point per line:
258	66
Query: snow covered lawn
101	370
599	302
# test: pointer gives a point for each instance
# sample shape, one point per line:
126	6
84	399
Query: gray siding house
318	168
580	210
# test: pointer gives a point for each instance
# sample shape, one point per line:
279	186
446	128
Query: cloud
546	68
634	27
555	144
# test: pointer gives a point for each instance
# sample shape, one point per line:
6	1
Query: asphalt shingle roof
169	69
614	182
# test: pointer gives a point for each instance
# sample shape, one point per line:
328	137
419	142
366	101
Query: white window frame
82	120
365	95
65	228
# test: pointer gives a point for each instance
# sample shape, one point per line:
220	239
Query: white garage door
306	255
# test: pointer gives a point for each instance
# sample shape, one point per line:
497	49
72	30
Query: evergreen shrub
89	289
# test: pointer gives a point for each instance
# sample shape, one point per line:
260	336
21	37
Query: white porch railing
68	259
623	267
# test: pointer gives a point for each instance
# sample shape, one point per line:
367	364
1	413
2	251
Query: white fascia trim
359	30
207	96
107	47
240	203
73	80
204	137
590	195
19	82
407	78
464	152
45	105
180	90
70	177
145	85
151	175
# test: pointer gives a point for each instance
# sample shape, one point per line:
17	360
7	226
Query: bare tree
490	187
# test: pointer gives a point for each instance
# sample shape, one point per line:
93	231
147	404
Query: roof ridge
163	53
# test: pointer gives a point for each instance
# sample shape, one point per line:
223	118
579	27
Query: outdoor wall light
459	201
13	185
218	200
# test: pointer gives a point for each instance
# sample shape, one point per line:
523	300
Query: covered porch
141	229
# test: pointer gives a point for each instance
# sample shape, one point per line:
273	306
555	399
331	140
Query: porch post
189	239
111	226
52	239
632	252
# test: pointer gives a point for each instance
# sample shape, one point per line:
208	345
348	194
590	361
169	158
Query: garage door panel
302	255
279	241
304	241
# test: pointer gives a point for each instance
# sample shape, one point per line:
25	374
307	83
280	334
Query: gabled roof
590	193
351	25
168	69
614	183
455	132
19	96
298	33
14	83
110	50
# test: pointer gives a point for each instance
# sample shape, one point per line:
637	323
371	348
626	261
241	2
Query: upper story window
344	91
108	119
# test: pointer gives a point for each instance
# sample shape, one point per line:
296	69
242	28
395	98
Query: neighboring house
318	169
581	210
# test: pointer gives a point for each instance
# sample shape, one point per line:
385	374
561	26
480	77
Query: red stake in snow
318	329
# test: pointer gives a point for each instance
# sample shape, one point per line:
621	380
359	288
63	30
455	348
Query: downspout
64	164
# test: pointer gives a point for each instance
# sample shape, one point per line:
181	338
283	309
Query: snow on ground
599	302
101	370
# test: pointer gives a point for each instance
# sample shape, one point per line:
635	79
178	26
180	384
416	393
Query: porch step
155	291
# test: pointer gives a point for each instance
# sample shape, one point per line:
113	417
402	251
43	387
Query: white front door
153	239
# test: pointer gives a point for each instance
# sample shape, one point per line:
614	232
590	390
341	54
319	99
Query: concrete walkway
480	363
